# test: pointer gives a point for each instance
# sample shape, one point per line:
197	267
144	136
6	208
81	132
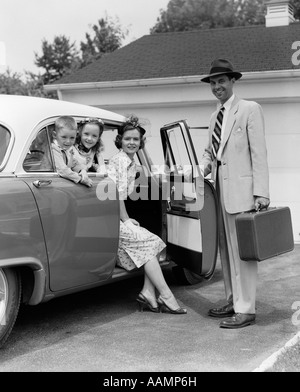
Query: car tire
10	299
186	277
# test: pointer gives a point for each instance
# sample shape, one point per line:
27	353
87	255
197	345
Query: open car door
192	232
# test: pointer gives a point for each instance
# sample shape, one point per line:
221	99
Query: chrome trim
37	175
10	145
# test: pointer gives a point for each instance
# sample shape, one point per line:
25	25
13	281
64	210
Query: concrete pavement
110	335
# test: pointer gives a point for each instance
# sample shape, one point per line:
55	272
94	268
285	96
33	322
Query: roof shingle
161	55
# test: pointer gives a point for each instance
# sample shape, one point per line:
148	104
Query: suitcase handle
257	211
262	209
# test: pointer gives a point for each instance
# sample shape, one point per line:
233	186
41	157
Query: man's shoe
225	311
239	320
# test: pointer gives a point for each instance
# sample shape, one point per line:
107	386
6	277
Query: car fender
22	241
39	276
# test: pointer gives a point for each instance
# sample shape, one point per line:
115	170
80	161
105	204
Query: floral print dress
133	253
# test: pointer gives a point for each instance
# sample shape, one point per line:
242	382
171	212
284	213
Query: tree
250	12
58	58
13	83
296	4
185	15
34	86
107	37
62	57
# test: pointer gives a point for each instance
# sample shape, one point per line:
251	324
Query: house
158	77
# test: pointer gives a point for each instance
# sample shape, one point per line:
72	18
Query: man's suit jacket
245	172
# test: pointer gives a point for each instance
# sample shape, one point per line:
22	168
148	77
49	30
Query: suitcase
264	234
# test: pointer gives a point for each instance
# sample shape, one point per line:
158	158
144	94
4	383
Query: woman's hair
131	123
90	120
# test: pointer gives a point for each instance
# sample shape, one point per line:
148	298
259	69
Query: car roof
15	109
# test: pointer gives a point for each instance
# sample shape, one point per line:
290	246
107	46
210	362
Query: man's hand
261	202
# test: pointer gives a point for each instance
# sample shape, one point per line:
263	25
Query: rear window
4	142
108	140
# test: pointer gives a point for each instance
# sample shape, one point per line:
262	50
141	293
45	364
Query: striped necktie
216	136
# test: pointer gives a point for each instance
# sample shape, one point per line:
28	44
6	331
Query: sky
25	23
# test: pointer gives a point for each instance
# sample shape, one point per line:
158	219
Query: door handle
40	183
173	189
169	207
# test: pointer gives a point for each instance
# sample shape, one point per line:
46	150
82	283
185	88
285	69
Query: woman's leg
148	291
154	278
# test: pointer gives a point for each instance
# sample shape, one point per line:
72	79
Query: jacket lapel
231	120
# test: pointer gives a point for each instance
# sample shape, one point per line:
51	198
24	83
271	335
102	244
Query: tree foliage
185	15
58	58
62	57
107	37
13	83
296	4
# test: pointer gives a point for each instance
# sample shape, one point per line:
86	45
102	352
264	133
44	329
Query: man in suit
236	157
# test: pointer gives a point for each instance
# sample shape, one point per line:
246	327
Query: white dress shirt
227	107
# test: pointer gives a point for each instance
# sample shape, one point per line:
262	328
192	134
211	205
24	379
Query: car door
192	239
80	228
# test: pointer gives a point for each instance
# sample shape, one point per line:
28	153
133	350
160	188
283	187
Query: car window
39	158
177	154
4	142
108	139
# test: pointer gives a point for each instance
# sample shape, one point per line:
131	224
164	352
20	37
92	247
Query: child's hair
99	145
65	122
131	123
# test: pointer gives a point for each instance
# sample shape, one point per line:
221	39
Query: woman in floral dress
138	247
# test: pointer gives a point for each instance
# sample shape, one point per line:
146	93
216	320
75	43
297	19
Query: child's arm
81	169
66	172
85	180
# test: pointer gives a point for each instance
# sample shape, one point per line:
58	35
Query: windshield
4	142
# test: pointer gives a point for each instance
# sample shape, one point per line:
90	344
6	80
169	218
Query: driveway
101	330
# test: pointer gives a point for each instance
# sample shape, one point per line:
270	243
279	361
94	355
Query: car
58	237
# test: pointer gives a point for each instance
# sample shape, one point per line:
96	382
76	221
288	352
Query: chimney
279	13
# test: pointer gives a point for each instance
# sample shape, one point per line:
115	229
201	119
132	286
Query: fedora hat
221	67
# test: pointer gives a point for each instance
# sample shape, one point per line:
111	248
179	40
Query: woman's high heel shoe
145	304
166	309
